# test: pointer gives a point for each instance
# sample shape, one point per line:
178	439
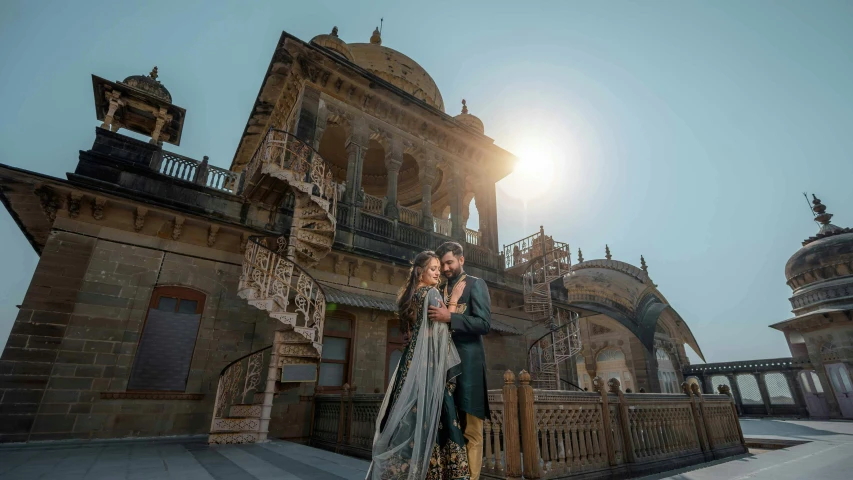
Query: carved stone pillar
357	145
454	186
735	393
484	199
393	162
160	121
796	392
428	175
322	122
115	102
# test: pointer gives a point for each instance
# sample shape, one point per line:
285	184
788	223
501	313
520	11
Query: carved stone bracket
98	204
177	227
49	201
211	235
139	218
74	199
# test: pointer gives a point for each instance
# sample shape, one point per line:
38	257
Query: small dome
149	84
472	121
826	256
396	69
335	44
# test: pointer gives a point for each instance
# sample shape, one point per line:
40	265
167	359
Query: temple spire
376	38
643	264
580	256
464	107
607	254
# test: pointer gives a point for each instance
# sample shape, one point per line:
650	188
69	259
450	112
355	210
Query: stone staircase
273	280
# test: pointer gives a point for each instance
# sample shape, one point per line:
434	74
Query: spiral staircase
273	280
539	260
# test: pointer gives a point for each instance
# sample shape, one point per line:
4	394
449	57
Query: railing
345	423
295	160
373	204
560	434
200	173
410	216
441	227
472	236
271	282
235	408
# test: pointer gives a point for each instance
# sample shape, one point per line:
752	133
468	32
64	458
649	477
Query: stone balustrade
194	171
547	434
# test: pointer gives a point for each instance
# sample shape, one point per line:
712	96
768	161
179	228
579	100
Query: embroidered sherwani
468	324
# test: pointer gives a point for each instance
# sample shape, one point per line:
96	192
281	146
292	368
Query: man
468	324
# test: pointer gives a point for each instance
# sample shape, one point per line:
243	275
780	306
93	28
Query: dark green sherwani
471	321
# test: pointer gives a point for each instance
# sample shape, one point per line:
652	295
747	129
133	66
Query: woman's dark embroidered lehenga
448	459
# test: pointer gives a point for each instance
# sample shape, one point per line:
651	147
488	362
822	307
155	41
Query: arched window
165	349
666	372
610	363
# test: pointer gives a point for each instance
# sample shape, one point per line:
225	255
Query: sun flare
533	173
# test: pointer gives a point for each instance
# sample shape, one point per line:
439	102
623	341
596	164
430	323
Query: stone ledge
150	396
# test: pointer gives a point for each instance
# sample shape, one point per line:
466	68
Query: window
394	350
166	346
337	351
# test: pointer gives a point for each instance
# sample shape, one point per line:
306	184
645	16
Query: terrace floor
828	454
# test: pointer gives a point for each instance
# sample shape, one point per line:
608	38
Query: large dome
397	69
821	272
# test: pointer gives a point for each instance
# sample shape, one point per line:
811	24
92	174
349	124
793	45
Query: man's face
451	265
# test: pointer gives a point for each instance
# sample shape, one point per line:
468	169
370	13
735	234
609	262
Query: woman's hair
405	309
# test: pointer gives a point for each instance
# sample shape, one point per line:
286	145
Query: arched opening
167	342
610	363
667	376
334	152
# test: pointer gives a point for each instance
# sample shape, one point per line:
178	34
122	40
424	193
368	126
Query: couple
430	424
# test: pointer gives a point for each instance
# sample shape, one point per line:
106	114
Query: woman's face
431	272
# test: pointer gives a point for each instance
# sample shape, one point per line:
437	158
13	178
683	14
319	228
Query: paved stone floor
827	455
178	458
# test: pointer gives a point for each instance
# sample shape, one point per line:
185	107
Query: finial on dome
820	209
643	264
153	73
376	38
580	256
464	107
607	254
334	31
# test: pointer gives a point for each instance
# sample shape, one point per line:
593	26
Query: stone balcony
146	172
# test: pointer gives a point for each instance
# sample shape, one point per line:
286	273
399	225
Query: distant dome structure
821	272
149	84
335	44
396	69
470	120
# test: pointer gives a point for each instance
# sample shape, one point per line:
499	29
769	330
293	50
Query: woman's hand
455	295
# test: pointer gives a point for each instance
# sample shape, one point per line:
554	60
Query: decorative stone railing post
735	392
527	424
598	386
625	425
725	390
512	448
393	162
762	387
201	172
706	419
698	423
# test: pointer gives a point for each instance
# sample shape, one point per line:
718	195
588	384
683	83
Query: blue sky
682	131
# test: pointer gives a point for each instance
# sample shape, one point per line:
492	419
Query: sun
533	173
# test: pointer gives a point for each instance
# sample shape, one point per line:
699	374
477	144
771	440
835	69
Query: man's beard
450	275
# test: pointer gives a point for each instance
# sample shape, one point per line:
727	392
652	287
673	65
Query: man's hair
452	247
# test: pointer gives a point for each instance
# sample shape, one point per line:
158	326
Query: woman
418	435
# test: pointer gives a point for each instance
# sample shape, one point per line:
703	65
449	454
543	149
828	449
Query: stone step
230	438
246	410
236	424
